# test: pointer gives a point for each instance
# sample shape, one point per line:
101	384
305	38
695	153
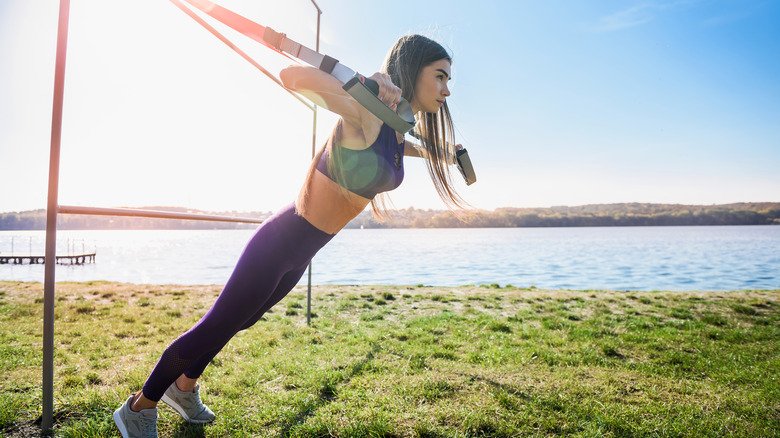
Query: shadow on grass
187	430
509	389
33	428
328	392
25	429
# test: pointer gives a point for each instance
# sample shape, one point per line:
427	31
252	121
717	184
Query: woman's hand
389	94
451	158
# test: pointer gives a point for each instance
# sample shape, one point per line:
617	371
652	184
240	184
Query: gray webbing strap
401	120
361	90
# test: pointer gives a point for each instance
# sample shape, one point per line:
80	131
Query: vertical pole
51	221
313	142
313	147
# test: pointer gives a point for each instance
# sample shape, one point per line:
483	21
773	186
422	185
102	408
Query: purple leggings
271	264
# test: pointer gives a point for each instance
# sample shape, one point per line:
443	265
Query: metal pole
133	212
51	220
313	142
313	147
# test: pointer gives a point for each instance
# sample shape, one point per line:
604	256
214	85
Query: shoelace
150	428
198	403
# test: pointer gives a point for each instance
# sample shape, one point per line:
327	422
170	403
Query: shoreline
464	288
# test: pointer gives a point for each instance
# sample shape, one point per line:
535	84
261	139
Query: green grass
411	361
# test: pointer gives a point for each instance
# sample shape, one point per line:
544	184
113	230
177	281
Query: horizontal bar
98	211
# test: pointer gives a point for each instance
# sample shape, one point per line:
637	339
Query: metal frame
53	209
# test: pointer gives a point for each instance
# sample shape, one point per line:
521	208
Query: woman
362	158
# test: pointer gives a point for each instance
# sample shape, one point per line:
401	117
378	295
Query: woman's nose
445	91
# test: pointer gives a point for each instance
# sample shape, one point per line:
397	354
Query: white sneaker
188	404
131	424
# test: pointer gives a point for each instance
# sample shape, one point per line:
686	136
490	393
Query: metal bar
47	416
98	211
313	147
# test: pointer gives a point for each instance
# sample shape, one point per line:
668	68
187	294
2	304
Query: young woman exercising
362	158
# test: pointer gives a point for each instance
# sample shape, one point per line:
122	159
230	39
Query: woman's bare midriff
326	207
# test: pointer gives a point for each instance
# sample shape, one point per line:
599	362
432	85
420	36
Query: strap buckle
273	38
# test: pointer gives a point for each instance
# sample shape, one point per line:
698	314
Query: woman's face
431	89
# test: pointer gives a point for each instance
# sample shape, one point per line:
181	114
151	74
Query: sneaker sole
169	401
119	423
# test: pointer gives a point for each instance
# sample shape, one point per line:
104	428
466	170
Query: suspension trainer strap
243	54
362	89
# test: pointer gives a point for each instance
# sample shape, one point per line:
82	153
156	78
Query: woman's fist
452	158
389	94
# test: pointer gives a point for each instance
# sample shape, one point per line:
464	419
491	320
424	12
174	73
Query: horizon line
434	209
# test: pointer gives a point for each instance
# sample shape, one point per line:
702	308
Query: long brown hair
403	63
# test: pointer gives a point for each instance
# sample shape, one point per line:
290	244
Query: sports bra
375	169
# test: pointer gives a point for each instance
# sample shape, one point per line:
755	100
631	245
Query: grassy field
411	361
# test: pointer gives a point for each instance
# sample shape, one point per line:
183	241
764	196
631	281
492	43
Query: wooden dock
75	259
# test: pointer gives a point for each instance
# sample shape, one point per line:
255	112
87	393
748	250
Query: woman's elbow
287	75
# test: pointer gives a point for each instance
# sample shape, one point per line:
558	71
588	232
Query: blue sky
558	103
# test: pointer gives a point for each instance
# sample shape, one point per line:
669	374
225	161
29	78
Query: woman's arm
324	90
414	150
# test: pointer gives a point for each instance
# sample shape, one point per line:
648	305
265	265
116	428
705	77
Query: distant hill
595	215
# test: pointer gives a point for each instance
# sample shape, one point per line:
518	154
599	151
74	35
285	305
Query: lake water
625	258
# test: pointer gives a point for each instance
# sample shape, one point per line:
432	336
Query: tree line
595	215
